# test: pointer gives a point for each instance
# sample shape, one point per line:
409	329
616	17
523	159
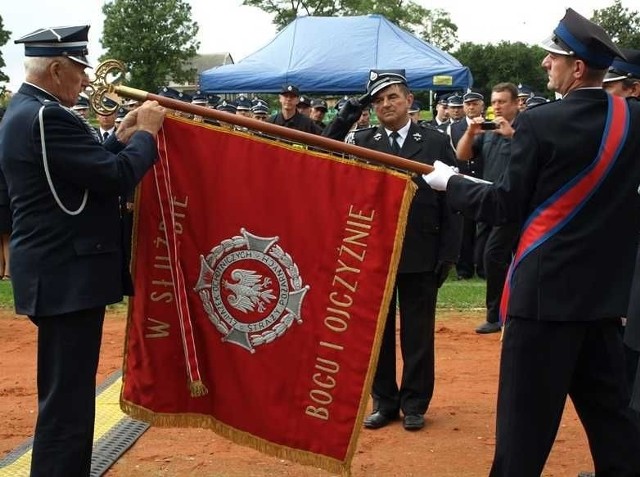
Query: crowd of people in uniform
539	198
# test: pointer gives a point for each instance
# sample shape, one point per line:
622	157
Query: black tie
105	135
395	145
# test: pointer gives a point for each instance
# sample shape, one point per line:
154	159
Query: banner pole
110	73
275	130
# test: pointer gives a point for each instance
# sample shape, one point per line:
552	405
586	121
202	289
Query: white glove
440	176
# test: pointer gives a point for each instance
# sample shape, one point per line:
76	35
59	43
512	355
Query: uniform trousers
466	265
498	251
542	362
68	352
416	294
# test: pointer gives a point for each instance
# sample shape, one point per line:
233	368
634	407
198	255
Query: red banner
263	272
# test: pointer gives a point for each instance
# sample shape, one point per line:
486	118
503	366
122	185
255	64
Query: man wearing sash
572	182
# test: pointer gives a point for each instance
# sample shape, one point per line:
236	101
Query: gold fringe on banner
239	437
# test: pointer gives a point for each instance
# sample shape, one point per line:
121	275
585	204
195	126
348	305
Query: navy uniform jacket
433	233
584	271
59	262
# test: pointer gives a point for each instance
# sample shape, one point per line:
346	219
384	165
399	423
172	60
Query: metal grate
114	443
106	450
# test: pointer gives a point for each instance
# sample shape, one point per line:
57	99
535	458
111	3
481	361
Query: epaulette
534	106
430	127
79	119
365	129
47	102
351	136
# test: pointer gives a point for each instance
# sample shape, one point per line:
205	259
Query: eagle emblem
248	293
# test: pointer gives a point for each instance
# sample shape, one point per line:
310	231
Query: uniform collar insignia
417	136
377	136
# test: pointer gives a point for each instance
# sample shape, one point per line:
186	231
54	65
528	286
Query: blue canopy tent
334	55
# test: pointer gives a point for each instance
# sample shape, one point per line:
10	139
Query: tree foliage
434	26
4	37
155	38
622	24
515	62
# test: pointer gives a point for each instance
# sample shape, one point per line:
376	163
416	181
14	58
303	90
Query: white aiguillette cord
475	179
45	162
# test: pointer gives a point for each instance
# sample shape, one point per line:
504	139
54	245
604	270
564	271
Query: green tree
438	29
155	38
4	37
435	25
622	24
515	62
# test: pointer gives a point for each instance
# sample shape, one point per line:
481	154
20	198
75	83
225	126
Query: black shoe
413	422
487	327
378	419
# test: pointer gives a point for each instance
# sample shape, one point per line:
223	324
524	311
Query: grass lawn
454	295
462	294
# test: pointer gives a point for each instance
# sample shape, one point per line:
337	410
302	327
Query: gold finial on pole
109	74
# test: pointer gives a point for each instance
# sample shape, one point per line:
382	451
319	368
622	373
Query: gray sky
244	30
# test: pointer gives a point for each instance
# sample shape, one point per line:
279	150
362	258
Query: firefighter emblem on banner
251	290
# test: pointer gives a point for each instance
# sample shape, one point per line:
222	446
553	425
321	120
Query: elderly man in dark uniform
572	182
289	116
66	242
430	248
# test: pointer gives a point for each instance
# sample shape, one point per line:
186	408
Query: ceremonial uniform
66	245
570	278
430	248
432	238
65	264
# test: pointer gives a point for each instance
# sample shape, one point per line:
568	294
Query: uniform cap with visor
472	96
621	69
576	36
68	41
380	79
